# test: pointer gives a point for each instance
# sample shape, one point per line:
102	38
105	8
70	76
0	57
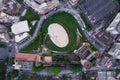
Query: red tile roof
27	57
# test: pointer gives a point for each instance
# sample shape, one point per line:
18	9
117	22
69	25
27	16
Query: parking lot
97	11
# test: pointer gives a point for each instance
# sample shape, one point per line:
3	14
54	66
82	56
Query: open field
29	16
69	23
34	45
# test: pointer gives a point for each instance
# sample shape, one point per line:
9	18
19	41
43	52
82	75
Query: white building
115	51
114	27
20	30
21	37
20	27
43	7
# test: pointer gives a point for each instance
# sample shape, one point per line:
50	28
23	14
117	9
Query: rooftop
115	50
42	6
104	38
115	25
73	2
20	27
27	57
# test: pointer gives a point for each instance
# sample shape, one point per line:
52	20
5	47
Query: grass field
34	45
69	24
30	16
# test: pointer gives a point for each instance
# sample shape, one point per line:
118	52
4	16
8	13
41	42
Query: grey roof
97	10
118	27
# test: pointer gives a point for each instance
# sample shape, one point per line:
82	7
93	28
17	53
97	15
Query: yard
2	71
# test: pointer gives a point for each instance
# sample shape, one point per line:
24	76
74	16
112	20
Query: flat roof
27	57
20	27
104	37
115	50
20	37
115	24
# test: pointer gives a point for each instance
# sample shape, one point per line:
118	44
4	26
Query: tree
2	71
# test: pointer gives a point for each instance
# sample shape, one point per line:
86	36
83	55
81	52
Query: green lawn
87	24
30	16
10	61
2	71
60	58
37	69
93	47
34	45
53	70
69	24
12	74
118	1
76	68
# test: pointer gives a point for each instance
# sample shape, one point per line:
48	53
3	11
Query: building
47	61
118	38
87	64
114	27
20	30
84	52
42	6
10	7
103	38
115	51
106	61
5	18
86	55
98	12
4	36
25	61
106	75
73	2
1	4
